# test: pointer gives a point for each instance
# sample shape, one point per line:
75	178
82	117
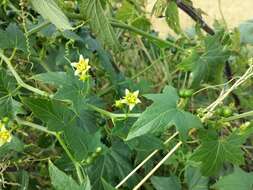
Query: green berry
5	120
94	155
89	160
185	93
99	149
219	111
227	112
188	93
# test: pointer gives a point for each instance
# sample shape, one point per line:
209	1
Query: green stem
239	116
113	115
58	137
118	24
39	27
76	164
18	78
144	34
35	126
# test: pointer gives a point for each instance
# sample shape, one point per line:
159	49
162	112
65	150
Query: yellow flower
131	98
5	135
81	68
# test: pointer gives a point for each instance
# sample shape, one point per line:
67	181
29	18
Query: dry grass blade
143	162
157	166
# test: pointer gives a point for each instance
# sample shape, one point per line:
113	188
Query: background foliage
67	133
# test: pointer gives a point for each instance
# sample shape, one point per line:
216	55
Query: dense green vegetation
89	92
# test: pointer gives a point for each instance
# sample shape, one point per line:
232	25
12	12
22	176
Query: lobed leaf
162	114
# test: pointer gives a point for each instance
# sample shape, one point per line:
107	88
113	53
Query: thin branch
209	110
157	166
143	162
191	11
35	126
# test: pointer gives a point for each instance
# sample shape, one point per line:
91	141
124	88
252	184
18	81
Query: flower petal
81	58
131	106
77	72
74	64
138	101
136	93
127	91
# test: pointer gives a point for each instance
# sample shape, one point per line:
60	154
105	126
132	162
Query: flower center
4	136
131	99
82	66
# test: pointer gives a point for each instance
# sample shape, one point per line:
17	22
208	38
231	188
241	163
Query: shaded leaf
113	165
69	87
8	106
215	151
246	32
12	38
55	114
235	181
81	143
15	145
107	186
62	181
166	183
195	180
99	22
210	65
172	16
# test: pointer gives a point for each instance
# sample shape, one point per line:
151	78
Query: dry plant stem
157	166
143	162
248	74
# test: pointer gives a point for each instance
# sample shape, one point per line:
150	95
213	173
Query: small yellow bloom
81	68
5	135
131	98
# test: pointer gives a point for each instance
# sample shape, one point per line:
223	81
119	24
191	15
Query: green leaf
235	181
210	64
141	23
214	151
145	143
246	32
105	59
8	106
81	143
49	10
15	145
162	114
126	12
69	87
55	114
62	181
172	17
195	180
159	8
107	186
78	131
12	38
166	183
113	165
99	22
